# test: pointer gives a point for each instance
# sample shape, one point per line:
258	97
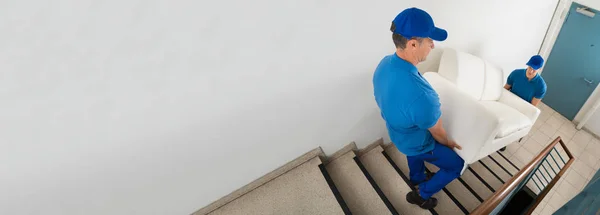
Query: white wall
161	107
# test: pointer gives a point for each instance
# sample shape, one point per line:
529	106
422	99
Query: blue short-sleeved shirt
408	104
525	88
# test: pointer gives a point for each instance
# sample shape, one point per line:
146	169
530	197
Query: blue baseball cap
536	62
414	22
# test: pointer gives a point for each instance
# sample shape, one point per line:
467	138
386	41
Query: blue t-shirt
525	88
408	104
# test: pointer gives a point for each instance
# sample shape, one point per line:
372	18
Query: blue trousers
446	159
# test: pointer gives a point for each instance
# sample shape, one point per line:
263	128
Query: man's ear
411	44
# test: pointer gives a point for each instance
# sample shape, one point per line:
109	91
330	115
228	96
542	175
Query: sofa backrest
494	82
432	63
472	75
464	70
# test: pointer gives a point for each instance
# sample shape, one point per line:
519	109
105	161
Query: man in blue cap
411	107
527	83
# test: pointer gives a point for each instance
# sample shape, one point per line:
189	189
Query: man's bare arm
439	133
506	86
535	101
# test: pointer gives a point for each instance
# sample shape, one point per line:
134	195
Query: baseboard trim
350	147
590	132
387	145
378	142
317	152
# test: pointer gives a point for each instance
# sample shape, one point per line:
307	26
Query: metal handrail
491	204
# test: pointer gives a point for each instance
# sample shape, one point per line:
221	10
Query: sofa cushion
466	71
492	87
510	119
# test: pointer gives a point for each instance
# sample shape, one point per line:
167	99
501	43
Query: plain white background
161	107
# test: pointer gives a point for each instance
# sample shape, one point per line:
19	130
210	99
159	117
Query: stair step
504	163
486	175
478	186
445	203
459	191
392	185
302	190
496	169
353	185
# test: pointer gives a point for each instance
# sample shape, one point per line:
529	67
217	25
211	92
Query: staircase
370	181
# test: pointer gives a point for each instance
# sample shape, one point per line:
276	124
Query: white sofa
478	113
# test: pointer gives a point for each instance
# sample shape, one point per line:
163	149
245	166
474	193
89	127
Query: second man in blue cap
527	83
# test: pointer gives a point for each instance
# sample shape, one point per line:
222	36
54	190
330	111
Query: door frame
556	23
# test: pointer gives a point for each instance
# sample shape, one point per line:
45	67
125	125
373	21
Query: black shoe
503	149
414	198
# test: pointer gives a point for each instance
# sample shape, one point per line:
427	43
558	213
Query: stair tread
445	204
357	192
505	163
483	191
392	185
302	190
459	191
496	169
486	175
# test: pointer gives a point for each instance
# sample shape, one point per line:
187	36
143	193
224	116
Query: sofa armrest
466	121
526	108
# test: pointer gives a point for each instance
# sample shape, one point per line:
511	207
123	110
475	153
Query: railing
538	169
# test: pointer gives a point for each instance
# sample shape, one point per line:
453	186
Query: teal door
572	71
